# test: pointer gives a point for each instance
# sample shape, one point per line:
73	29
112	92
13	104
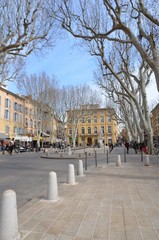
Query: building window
18	130
83	130
20	108
102	119
20	118
15	106
82	120
95	130
16	117
109	119
7	129
15	130
21	131
7	103
89	120
102	129
109	129
7	114
95	119
89	130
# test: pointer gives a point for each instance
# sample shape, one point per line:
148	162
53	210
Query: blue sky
70	65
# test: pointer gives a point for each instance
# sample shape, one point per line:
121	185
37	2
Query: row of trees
123	35
49	98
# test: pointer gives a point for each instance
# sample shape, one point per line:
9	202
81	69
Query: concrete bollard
118	162
69	152
147	161
52	189
47	153
80	168
8	217
71	175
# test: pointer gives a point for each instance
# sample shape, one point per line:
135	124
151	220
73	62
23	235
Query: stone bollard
47	153
71	175
52	189
8	217
80	168
118	162
147	161
69	152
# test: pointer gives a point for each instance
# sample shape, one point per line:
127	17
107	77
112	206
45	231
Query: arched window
82	130
89	130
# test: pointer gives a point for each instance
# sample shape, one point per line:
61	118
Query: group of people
11	146
138	146
8	147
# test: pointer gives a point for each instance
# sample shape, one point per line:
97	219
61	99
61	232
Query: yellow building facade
11	114
99	126
19	119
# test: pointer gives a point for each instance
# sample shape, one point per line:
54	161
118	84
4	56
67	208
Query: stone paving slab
109	203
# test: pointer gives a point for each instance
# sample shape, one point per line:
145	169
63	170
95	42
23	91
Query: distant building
11	114
19	119
93	125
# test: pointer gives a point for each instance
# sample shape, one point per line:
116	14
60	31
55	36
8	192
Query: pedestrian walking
11	146
136	147
127	145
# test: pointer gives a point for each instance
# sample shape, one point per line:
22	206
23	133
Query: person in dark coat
127	145
136	147
11	146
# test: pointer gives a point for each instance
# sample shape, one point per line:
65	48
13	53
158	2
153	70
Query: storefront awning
23	138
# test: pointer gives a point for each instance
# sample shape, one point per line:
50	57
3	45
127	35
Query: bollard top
9	192
70	165
52	173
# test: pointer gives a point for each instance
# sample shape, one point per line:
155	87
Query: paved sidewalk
108	203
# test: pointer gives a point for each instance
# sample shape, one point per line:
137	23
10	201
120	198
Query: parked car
21	149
